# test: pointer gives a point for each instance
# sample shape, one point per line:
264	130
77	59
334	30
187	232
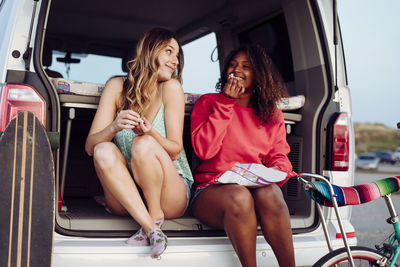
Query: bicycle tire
362	256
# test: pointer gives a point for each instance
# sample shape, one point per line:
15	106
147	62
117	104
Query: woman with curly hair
242	124
143	113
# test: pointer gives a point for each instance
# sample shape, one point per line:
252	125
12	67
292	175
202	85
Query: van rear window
91	68
201	70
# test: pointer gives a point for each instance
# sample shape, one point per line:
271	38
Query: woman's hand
234	87
144	127
126	119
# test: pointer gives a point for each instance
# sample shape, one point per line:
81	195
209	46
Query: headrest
128	57
47	56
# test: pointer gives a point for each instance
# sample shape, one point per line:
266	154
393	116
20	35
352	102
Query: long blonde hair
142	74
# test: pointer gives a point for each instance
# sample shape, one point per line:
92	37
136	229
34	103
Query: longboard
26	194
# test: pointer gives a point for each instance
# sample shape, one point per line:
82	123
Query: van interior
78	29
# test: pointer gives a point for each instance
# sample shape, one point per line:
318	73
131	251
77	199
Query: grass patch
373	136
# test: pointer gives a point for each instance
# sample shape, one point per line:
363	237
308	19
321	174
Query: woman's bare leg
230	207
275	222
120	191
155	173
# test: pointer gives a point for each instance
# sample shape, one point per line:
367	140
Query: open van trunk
291	30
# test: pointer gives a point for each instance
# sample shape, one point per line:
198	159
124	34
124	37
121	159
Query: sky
371	38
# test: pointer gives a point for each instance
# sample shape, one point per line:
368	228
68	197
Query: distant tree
370	137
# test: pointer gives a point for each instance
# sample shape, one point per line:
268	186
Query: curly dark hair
268	85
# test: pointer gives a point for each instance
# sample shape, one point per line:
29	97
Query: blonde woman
143	114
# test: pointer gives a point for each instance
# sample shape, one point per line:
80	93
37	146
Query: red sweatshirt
224	133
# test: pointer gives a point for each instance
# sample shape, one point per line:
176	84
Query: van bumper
188	251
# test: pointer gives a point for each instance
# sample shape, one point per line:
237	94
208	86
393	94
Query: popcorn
233	76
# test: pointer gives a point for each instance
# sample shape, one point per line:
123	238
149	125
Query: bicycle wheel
362	256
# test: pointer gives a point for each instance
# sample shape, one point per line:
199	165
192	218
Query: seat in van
47	61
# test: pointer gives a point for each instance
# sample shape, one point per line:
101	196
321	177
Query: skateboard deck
26	194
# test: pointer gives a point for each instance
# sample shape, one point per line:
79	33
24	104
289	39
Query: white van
299	35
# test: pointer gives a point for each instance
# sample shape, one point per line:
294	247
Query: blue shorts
196	192
188	191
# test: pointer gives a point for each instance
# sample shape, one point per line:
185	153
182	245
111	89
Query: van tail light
340	145
20	97
348	235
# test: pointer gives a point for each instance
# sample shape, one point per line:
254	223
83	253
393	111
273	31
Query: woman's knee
104	155
269	198
240	202
142	147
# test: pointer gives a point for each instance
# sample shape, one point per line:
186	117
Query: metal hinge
28	52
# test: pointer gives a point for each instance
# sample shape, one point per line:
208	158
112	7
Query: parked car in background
367	161
397	153
386	156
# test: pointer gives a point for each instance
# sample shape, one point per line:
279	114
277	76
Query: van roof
127	22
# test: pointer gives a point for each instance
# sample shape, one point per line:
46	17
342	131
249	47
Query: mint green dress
123	140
